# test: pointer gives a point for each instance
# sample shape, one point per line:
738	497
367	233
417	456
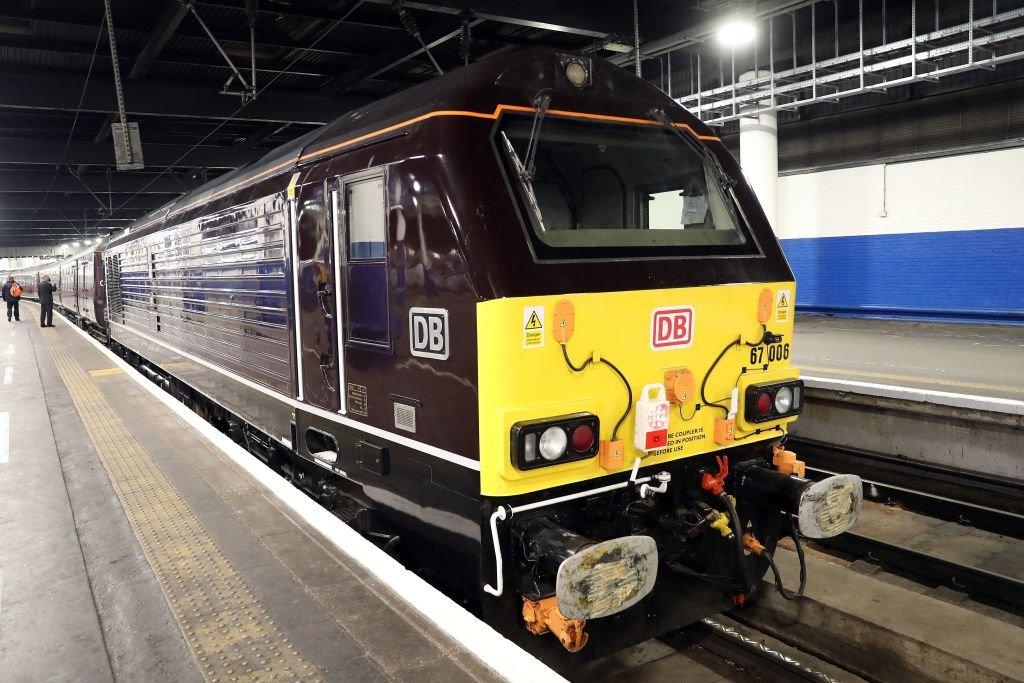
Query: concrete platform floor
985	360
131	549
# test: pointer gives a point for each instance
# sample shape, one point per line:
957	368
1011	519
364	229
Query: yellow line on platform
866	374
229	632
105	372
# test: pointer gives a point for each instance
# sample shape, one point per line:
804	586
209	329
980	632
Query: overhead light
738	31
76	244
621	48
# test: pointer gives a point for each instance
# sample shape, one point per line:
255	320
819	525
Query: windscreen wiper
524	180
525	168
724	179
541	101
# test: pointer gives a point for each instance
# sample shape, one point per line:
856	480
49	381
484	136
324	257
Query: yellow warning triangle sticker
534	322
783	303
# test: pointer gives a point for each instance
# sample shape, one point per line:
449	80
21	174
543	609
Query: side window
366	260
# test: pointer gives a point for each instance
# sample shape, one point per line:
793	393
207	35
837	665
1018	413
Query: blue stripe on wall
962	275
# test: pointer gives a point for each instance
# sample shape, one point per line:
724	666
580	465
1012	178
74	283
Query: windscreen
610	190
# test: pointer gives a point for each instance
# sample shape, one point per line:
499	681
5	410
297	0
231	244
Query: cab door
316	291
361	227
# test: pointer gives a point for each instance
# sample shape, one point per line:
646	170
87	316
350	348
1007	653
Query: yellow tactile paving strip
229	632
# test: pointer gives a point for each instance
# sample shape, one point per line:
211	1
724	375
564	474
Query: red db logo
671	327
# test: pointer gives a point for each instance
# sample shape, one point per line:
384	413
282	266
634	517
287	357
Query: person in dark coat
12	301
46	290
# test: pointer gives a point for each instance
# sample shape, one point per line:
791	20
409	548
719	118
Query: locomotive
525	326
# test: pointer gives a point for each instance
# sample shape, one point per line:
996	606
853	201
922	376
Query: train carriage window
609	190
366	263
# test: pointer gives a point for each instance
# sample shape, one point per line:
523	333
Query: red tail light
582	438
763	405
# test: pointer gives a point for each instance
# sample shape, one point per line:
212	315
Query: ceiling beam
168	23
48	152
598	19
302	10
405	49
61	92
57	218
21	202
71	16
37	181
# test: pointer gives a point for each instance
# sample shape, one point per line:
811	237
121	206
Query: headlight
783	400
552	443
555	440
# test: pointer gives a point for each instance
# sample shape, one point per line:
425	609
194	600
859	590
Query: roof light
76	244
738	31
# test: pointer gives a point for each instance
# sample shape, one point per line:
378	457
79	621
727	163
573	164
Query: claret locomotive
525	326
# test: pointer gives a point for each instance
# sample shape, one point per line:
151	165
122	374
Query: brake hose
788	595
625	382
737	533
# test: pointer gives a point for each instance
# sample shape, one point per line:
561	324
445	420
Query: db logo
428	333
671	327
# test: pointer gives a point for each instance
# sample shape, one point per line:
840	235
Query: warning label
677	441
783	304
533	327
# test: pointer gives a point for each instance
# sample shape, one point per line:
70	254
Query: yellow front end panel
523	376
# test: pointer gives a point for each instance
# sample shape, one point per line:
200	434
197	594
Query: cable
625	382
760	431
696	409
704	382
737	533
736	342
78	110
788	595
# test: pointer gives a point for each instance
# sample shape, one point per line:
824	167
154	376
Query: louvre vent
405	417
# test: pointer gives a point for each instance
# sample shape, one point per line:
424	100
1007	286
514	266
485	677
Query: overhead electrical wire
301	51
78	110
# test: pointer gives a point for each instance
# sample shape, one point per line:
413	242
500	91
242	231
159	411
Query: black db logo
428	333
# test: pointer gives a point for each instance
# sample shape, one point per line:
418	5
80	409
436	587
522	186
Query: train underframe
702	567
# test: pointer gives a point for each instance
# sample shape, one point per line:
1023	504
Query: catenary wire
301	51
78	110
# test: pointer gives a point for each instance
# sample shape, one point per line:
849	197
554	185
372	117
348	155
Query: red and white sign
651	426
671	327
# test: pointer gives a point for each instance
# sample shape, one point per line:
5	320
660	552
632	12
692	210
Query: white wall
970	191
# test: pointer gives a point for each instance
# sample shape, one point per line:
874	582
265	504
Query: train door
361	228
315	293
84	285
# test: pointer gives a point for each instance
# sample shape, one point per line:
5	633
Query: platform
939	394
133	549
982	360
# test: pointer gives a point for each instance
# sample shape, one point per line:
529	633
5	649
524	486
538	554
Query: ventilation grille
405	417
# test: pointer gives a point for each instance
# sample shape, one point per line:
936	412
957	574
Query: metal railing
978	43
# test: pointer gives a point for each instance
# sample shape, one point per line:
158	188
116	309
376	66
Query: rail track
990	504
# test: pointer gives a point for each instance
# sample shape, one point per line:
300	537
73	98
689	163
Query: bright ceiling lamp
737	31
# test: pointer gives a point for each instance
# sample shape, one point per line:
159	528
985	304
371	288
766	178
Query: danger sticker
533	327
671	327
783	304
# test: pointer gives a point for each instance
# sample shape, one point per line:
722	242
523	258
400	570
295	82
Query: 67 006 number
774	352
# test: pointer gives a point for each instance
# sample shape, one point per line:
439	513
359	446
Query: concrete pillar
759	154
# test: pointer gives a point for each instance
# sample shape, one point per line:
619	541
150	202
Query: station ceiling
314	59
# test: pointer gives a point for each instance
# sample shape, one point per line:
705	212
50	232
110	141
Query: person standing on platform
46	290
12	295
